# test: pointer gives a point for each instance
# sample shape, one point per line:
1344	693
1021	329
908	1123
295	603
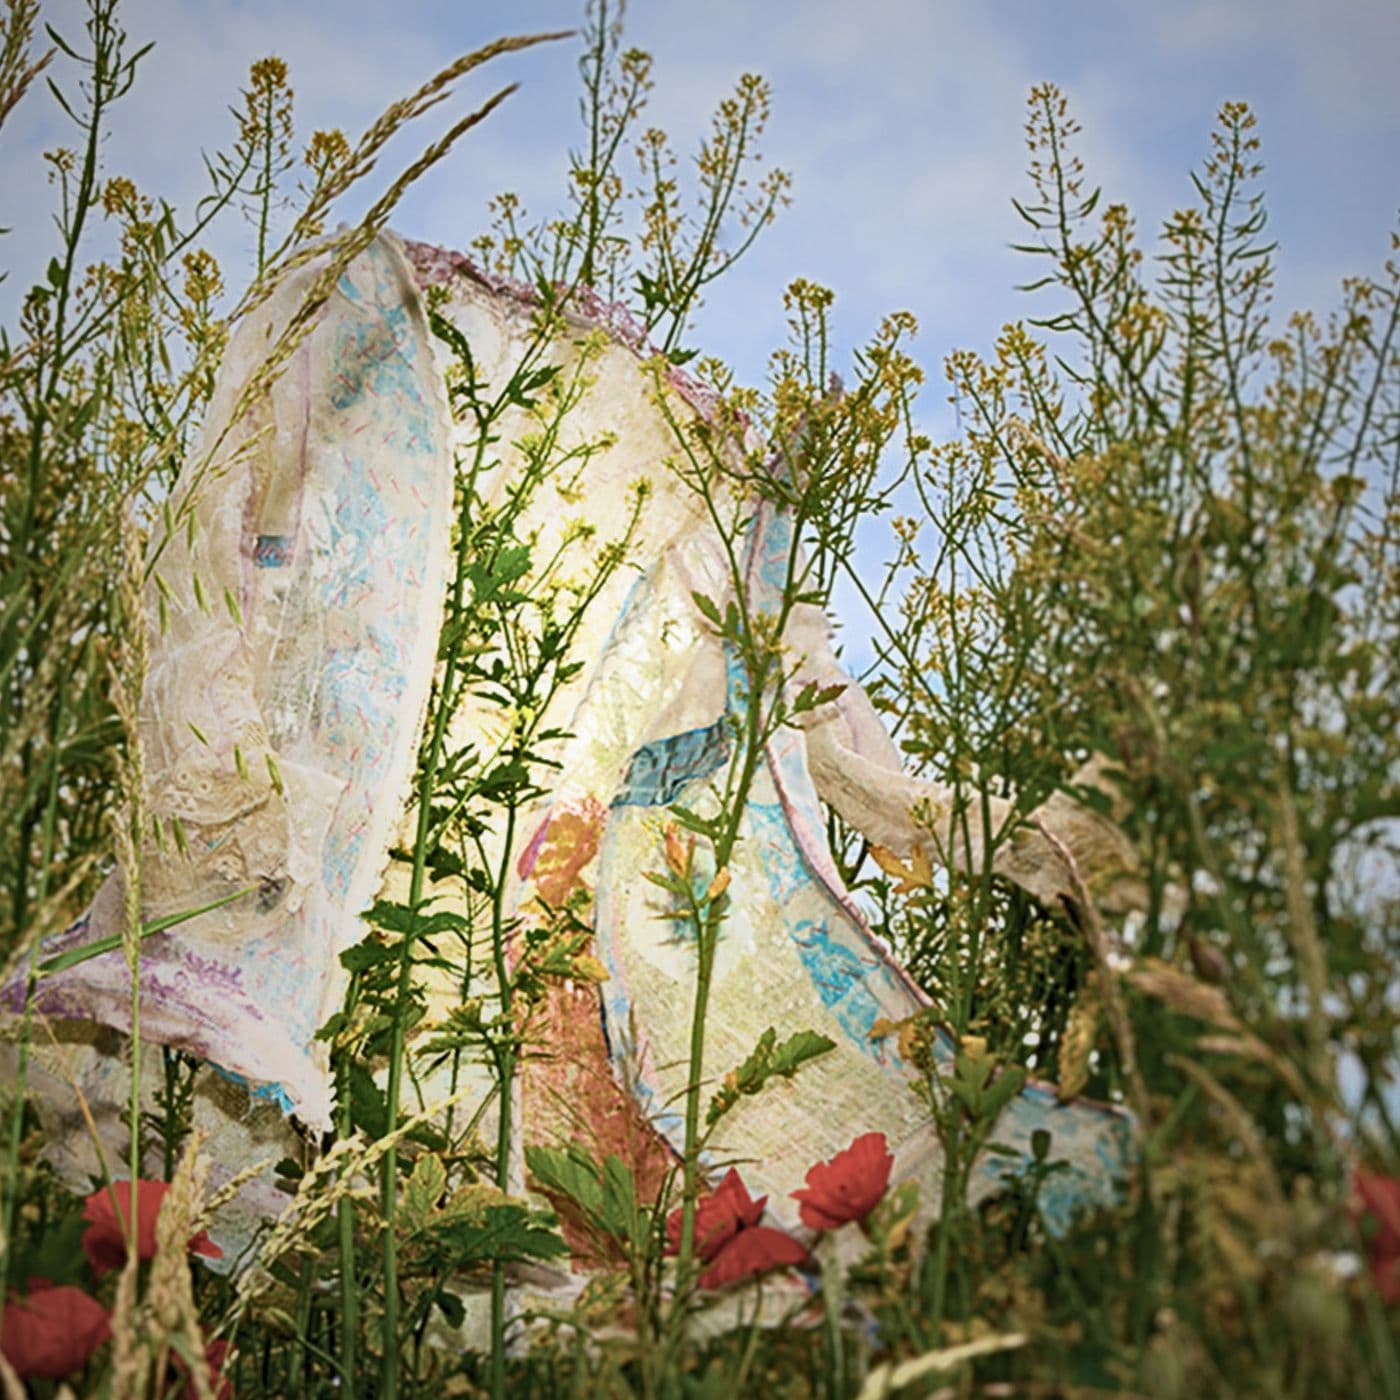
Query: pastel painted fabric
325	517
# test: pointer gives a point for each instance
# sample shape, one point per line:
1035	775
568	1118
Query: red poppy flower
729	1238
849	1186
53	1331
104	1241
718	1218
215	1355
751	1252
1379	1200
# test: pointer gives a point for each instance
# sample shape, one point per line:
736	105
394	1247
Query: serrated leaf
515	1233
365	955
333	1027
390	916
920	867
797	1049
619	1211
906	880
708	608
693	821
369	1109
421	1193
568	1172
768	1060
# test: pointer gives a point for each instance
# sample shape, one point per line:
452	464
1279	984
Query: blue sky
900	121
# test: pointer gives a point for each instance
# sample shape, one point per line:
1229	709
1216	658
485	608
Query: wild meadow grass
1167	539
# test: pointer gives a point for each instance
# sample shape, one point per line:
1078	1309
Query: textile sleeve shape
293	635
856	770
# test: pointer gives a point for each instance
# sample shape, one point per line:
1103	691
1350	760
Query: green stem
948	1211
505	1064
296	1365
22	1073
389	1177
832	1290
690	1165
349	1298
345	1222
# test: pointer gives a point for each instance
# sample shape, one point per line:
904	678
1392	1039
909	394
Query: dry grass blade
361	160
66	1070
128	673
217	1200
130	1367
1183	993
14	1387
345	248
331	1178
1302	934
1077	1043
170	1296
348	246
1250	1047
1243	1126
886	1379
16	70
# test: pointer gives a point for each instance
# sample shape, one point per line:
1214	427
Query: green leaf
619	1213
366	954
708	608
693	821
390	916
797	1049
450	1305
969	1096
336	1023
421	1193
568	1172
62	961
812	696
673	884
769	1060
56	1255
1007	1085
369	1109
509	1233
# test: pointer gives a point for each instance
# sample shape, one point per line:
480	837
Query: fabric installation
293	637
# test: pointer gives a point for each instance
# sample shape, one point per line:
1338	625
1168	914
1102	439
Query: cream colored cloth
320	550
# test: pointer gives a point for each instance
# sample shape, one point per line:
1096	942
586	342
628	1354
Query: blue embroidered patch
659	771
272	551
840	977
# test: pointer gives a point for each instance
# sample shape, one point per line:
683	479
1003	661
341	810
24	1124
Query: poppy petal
52	1332
718	1217
849	1186
750	1253
104	1241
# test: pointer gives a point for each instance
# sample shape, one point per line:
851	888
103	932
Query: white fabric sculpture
293	637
